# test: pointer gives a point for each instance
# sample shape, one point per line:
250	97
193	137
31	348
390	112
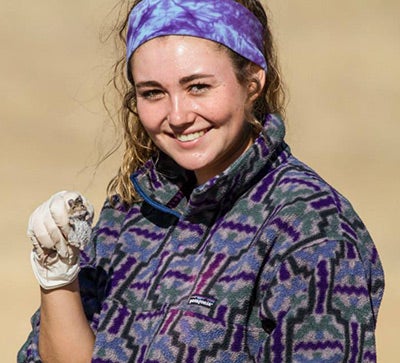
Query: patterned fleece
264	263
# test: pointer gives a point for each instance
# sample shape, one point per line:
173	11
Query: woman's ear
256	83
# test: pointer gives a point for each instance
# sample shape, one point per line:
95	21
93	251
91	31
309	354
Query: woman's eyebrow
194	77
147	84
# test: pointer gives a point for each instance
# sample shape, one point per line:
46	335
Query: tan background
341	63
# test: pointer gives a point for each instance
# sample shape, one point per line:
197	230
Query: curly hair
138	147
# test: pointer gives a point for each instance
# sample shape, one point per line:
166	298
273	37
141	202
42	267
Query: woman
216	244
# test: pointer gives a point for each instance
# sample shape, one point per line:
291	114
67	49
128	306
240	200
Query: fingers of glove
57	237
37	248
42	212
59	209
37	229
49	235
43	227
62	248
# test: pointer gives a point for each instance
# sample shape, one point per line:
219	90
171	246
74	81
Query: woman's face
191	103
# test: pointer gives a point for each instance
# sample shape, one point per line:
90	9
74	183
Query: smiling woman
216	244
193	107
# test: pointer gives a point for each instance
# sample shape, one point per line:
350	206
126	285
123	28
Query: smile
190	137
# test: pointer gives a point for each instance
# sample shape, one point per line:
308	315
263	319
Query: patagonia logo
202	300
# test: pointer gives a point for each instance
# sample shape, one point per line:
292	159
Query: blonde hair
138	147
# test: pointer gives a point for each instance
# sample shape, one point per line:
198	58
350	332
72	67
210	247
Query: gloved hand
59	229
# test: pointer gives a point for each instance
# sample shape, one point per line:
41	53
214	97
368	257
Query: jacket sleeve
321	305
29	352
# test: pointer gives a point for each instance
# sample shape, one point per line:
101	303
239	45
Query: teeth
190	137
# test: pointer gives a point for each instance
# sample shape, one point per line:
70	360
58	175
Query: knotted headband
223	21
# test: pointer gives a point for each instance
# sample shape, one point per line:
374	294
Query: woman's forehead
179	56
182	41
179	50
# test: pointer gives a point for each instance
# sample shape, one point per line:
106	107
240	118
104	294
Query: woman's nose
179	111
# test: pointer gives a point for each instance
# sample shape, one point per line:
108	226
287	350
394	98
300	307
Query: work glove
59	229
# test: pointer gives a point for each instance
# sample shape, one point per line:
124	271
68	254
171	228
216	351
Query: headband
223	21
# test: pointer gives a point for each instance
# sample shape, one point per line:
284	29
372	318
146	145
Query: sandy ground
341	64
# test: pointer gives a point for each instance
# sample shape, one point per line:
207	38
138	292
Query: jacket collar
166	186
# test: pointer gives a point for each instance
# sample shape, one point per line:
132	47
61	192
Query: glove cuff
56	275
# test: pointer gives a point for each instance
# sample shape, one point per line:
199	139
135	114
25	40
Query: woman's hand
59	229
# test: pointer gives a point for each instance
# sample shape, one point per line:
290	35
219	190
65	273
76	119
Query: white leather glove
59	229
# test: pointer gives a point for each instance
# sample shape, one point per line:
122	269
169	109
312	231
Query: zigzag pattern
240	227
267	263
351	290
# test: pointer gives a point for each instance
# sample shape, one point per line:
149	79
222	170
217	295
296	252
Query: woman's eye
199	87
152	94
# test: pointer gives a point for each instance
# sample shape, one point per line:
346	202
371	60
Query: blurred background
341	63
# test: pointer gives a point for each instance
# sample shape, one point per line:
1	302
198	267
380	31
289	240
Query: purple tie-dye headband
222	21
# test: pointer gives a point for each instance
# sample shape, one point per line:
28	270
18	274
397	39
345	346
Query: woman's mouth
190	137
